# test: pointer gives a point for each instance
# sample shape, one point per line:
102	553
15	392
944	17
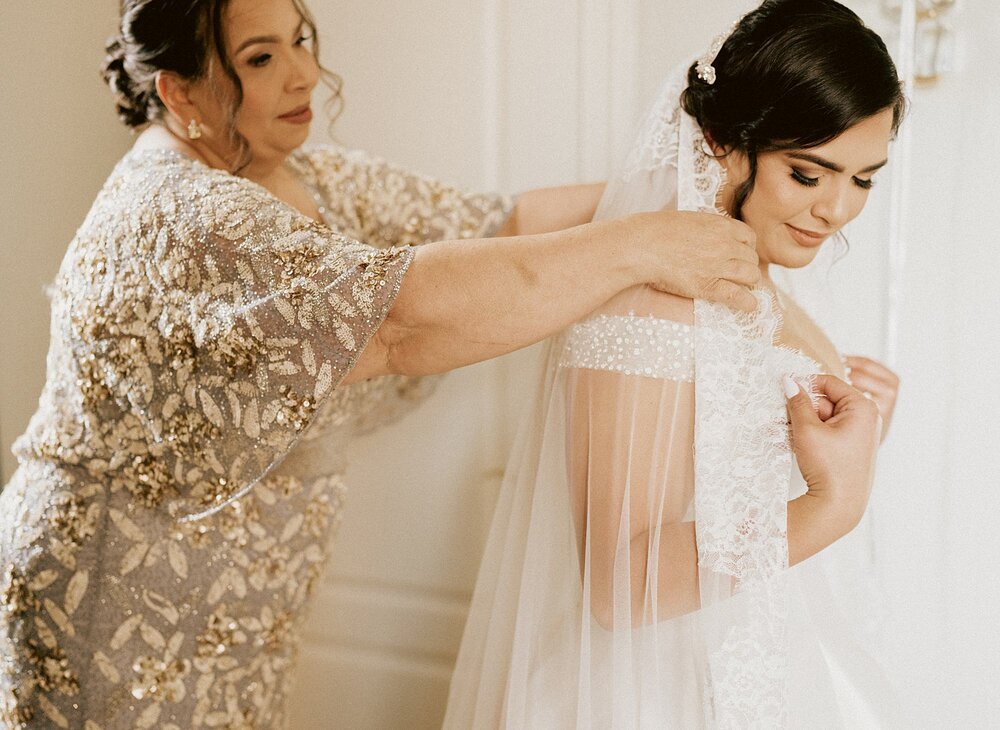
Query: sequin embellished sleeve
386	205
215	319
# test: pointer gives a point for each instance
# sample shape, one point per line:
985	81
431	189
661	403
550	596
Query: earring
194	131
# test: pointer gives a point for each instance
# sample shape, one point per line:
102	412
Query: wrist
621	251
815	522
636	258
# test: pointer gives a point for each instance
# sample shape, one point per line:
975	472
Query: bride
657	558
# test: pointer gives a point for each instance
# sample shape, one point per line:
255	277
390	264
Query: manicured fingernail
791	389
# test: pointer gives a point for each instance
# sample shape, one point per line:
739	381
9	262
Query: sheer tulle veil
636	573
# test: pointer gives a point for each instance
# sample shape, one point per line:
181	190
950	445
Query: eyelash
811	182
261	60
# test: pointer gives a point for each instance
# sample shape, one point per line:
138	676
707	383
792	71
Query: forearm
811	528
466	301
677	586
553	209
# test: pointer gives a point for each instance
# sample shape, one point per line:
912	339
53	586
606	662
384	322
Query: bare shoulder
801	333
645	301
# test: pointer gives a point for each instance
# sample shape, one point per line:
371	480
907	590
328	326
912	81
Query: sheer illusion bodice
636	574
580	618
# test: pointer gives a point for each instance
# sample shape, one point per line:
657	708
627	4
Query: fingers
730	294
743	233
840	394
739	250
800	407
867	384
742	272
824	409
872	370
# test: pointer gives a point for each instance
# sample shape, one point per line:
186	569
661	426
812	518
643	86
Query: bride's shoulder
644	301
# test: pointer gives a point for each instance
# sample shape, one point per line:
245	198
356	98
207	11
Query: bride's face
802	197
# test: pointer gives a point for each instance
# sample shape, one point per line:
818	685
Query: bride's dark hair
183	37
794	74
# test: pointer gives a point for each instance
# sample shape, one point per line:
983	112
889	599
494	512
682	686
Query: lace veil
636	573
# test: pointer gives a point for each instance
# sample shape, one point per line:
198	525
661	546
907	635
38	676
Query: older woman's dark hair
184	37
794	74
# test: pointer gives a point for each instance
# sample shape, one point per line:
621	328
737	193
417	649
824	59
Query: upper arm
630	442
230	318
388	205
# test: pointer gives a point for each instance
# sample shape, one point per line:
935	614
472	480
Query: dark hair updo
183	37
794	74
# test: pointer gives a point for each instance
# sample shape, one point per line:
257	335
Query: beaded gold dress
181	479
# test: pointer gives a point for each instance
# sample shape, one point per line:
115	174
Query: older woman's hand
701	256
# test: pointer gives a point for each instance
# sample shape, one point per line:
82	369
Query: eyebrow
266	38
817	160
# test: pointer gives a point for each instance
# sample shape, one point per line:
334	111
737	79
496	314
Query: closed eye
864	184
801	179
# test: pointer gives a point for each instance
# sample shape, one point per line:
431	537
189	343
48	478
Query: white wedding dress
658	443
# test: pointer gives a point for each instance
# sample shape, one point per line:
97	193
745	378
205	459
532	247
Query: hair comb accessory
704	67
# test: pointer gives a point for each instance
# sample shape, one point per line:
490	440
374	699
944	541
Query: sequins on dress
200	328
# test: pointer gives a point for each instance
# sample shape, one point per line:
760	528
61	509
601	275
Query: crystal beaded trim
633	345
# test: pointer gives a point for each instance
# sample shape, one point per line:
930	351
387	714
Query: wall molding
608	88
381	622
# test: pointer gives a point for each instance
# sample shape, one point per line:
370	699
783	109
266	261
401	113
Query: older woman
205	318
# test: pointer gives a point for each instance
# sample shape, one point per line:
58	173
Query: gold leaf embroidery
75	590
124	632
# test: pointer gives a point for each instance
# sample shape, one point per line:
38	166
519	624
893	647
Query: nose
303	74
835	207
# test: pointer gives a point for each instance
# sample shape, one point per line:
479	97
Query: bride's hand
699	256
836	455
878	381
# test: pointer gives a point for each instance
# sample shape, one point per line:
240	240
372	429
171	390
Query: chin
791	255
801	258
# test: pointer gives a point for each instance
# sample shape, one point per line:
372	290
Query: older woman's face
270	49
801	197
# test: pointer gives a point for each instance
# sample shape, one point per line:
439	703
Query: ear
717	149
175	93
733	161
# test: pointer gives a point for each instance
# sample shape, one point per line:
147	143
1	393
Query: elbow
613	605
602	608
610	613
375	359
402	347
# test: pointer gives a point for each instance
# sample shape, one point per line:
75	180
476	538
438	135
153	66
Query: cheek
790	198
259	100
858	204
776	199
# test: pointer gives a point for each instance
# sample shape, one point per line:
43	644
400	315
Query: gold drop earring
194	131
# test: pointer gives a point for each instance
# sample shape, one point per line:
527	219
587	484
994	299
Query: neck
765	273
261	169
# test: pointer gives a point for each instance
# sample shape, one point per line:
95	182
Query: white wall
59	138
565	82
517	93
